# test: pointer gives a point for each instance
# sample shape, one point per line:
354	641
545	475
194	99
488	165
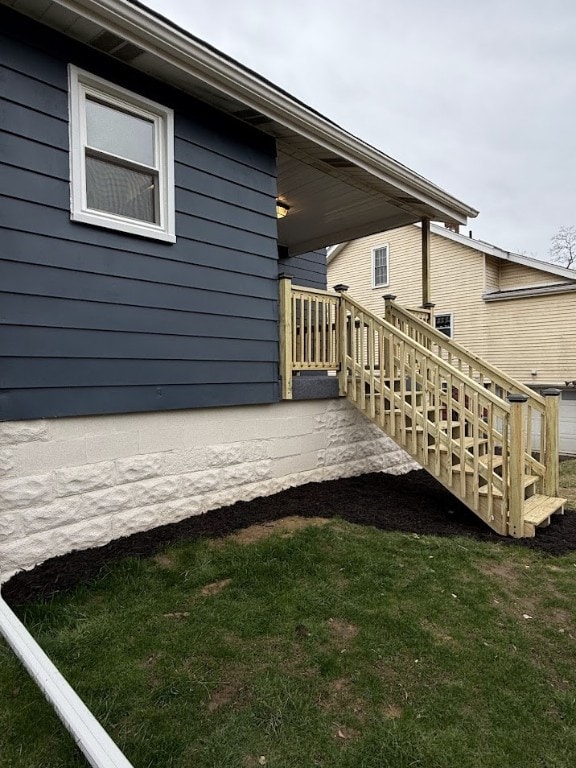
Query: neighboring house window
380	271
121	159
445	323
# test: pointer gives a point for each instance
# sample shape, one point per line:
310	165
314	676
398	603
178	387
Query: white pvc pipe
92	739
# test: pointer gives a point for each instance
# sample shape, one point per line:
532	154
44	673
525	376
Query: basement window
445	323
380	271
121	159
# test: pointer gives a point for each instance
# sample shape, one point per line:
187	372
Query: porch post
551	442
425	261
516	465
286	327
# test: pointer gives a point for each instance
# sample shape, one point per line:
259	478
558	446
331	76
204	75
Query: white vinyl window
444	322
121	159
380	269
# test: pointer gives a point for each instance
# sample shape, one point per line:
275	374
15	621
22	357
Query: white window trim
374	283
82	83
451	316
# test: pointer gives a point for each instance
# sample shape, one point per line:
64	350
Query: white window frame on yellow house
451	326
85	87
386	249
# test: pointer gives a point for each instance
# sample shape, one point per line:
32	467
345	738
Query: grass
329	645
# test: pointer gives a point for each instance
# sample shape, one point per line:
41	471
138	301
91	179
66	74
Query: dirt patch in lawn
413	503
215	587
286	526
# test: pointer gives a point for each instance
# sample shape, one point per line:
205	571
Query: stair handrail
498	377
468	380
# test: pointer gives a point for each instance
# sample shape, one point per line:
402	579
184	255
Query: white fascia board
499	253
189	55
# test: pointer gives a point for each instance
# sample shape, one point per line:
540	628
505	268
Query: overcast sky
479	96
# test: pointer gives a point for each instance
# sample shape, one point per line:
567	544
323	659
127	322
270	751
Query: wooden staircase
470	425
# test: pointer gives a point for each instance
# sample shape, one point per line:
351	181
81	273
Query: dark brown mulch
414	503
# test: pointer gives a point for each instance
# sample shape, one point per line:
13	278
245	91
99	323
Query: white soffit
358	190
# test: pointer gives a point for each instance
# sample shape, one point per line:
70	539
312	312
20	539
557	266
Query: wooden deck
469	424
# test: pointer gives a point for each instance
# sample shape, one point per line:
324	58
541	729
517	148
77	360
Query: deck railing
420	386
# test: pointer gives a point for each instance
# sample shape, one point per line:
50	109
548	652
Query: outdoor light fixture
281	209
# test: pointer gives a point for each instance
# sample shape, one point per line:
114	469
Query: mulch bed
413	503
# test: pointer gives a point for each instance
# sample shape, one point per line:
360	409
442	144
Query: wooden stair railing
475	442
540	418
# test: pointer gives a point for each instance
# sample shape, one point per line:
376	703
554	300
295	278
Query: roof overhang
500	253
337	186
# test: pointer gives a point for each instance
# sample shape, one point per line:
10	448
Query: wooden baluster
362	358
303	327
414	410
462	432
516	465
437	403
449	419
309	330
402	375
371	361
490	461
551	443
325	319
476	447
381	373
391	373
424	405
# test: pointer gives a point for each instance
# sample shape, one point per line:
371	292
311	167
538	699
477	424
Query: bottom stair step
539	508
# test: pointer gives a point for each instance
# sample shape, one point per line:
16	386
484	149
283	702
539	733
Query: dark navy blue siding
95	321
308	269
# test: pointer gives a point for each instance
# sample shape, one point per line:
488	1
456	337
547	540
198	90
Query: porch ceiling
338	188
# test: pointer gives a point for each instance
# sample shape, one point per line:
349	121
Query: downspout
91	738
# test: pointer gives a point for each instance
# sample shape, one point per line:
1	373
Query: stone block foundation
80	482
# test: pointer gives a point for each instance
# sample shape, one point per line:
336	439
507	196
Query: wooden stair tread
497	461
497	493
468	443
538	508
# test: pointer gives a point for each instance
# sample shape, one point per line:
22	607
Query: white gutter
91	738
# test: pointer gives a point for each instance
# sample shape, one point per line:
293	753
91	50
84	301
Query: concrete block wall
81	482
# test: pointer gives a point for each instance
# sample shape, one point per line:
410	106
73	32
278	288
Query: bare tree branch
563	247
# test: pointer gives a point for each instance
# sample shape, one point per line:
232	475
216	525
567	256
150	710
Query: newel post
388	299
342	339
516	464
286	330
429	305
551	442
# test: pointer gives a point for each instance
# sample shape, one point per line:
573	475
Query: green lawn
328	645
